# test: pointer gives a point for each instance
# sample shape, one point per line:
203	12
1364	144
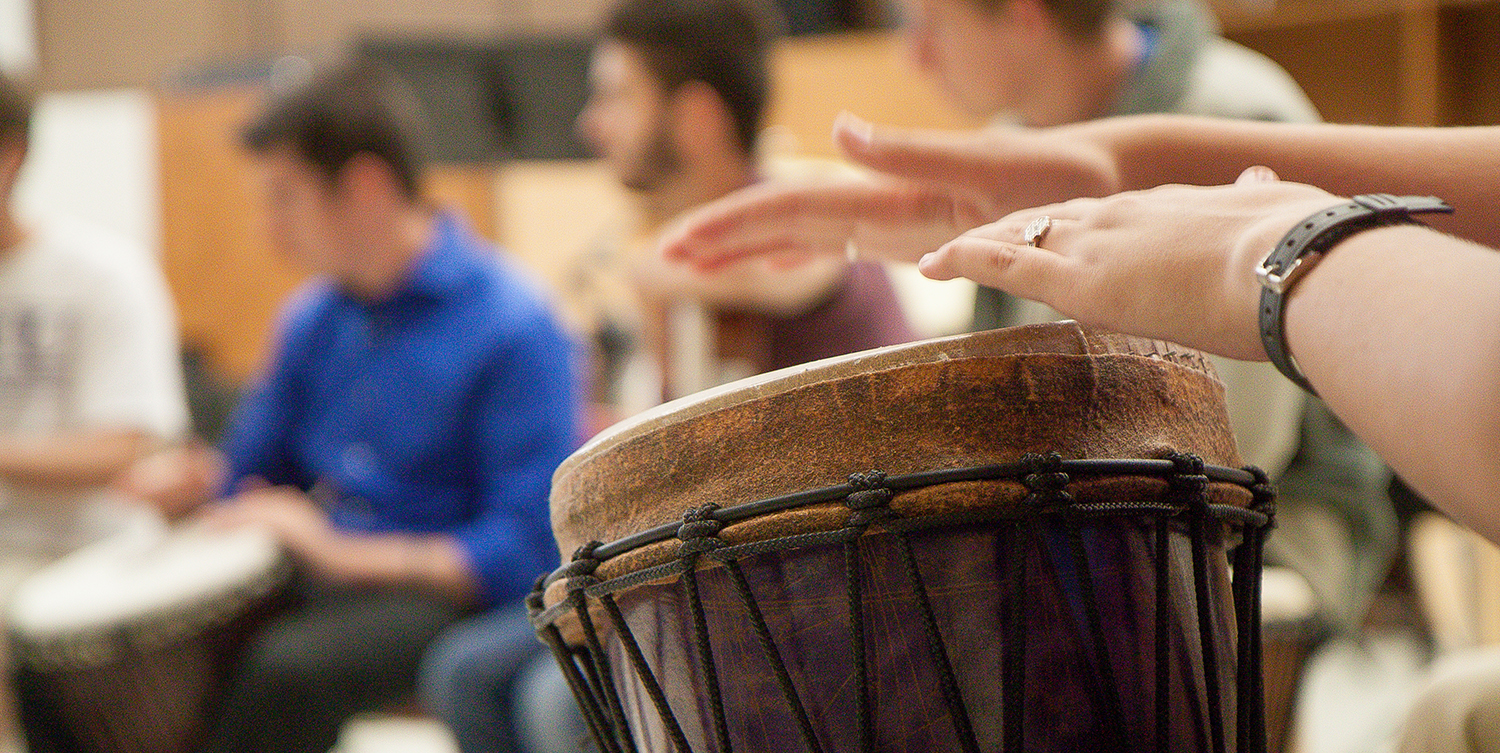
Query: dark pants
471	674
335	652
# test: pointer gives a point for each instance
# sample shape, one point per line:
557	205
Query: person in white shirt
90	379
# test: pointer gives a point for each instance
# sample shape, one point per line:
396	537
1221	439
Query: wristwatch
1301	248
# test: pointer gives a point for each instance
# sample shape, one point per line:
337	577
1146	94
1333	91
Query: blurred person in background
89	376
400	443
678	93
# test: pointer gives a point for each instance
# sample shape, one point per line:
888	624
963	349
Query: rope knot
534	599
1263	495
699	531
870	499
1045	480
1187	480
580	572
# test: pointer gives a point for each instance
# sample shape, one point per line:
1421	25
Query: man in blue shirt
402	441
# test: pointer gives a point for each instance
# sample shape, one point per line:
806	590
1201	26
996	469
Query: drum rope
939	653
853	580
552	638
643	670
768	646
1077	469
1249	561
1188	486
581	575
592	714
1163	635
1047	487
699	533
868	496
1013	652
869	503
1104	674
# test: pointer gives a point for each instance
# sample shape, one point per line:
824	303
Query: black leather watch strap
1301	248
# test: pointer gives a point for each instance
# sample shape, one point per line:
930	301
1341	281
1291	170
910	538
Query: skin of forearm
751	286
431	563
70	461
1456	164
1397	329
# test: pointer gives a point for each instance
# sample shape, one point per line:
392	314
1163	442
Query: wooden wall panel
1348	68
226	280
865	73
110	43
1471	69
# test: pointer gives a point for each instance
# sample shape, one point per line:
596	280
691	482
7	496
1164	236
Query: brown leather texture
970	400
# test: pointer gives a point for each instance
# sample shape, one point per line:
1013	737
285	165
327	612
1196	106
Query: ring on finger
1036	229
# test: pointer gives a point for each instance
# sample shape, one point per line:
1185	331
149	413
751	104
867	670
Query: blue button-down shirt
443	409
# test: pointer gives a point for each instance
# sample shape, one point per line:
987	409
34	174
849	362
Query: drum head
970	400
157	581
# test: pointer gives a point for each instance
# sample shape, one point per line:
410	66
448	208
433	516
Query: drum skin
129	643
974	400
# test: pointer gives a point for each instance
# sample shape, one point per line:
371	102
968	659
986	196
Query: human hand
929	187
1174	262
291	516
175	480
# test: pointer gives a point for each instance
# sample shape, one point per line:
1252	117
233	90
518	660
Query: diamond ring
1036	229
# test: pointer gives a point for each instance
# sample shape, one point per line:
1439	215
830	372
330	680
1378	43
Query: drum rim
1084	339
1248	477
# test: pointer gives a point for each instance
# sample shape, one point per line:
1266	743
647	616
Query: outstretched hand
1174	262
927	187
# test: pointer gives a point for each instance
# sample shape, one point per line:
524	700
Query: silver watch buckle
1280	282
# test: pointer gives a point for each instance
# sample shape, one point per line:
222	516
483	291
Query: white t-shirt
87	341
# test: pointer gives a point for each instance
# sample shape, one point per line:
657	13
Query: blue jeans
495	686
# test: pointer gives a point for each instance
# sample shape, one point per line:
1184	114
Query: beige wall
110	43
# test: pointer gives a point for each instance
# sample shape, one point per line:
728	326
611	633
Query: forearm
1457	164
753	286
1399	329
70	460
431	563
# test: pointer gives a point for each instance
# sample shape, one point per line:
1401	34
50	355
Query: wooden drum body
127	643
1012	540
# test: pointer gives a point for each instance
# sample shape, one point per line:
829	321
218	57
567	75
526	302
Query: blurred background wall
142	99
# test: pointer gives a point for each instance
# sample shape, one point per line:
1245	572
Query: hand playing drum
177	480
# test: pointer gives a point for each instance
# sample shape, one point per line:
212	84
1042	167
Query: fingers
893	220
1256	174
931	156
757	221
994	256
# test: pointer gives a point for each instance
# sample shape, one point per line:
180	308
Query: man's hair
1083	19
16	104
723	43
354	107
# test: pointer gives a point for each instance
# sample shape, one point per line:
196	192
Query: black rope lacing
700	533
580	575
868	503
1188	486
1046	485
868	496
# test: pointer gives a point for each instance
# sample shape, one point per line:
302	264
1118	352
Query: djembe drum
127	643
1039	559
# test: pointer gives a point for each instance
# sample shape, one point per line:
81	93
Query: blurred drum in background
1040	561
127	642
